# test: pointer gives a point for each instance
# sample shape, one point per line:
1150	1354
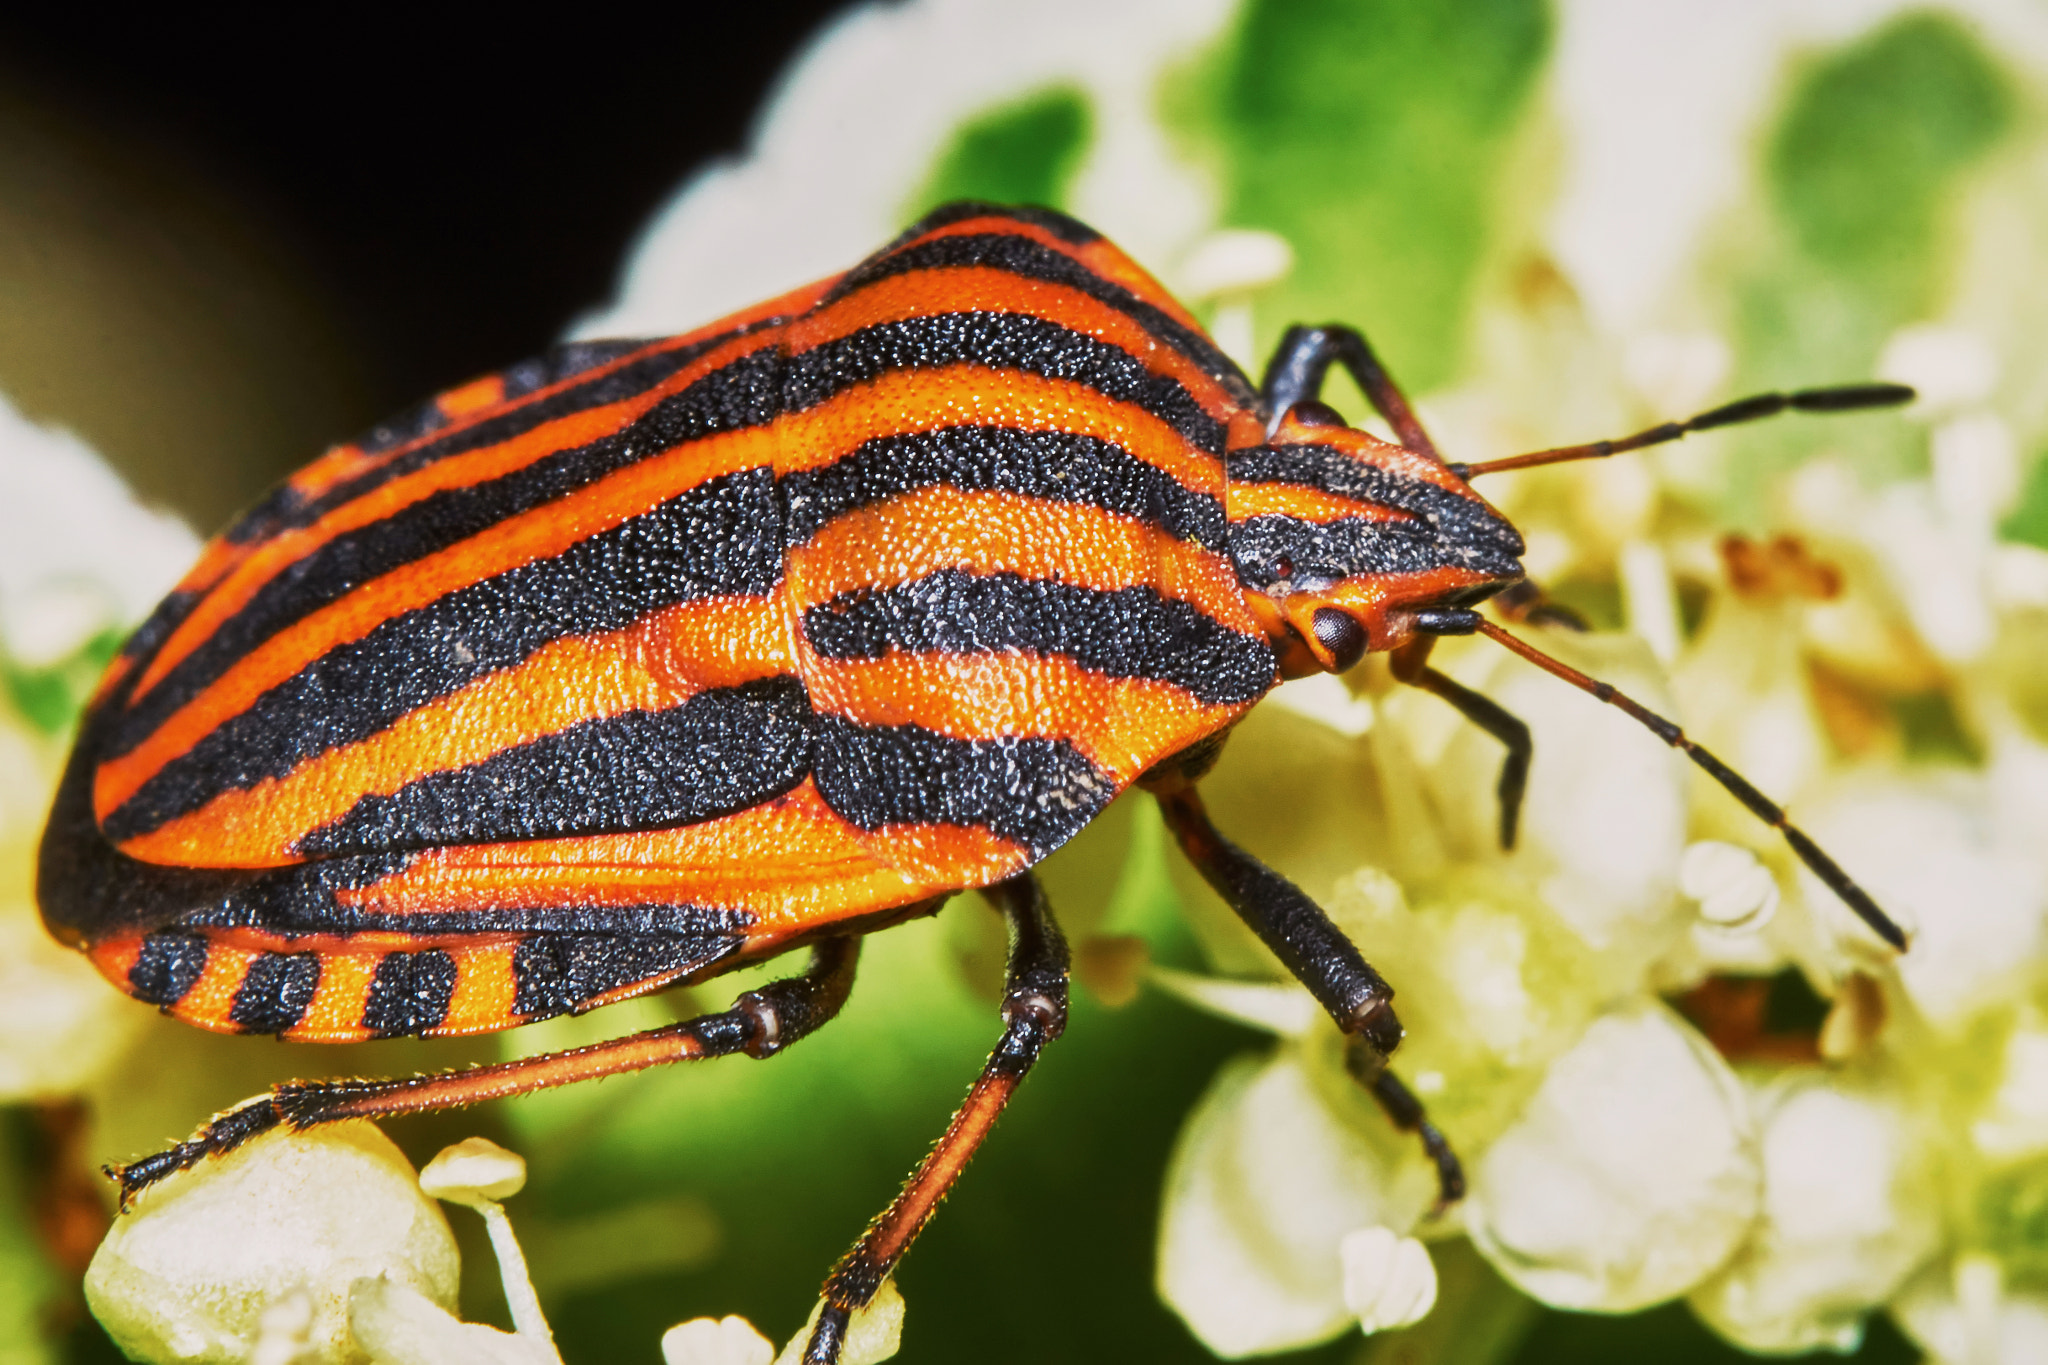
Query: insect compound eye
1310	413
1343	637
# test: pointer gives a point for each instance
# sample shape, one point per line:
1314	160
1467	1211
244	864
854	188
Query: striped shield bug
646	660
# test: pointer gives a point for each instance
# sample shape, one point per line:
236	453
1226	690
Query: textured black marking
960	210
1463	523
1128	633
573	358
1002	341
1309	556
721	751
719	539
1032	260
409	993
166	967
1055	465
286	507
1037	792
736	395
558	973
300	901
274	994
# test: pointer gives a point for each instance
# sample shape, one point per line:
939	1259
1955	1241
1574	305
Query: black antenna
1770	812
1840	398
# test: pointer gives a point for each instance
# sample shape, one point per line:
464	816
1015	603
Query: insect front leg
1302	361
1320	957
1034	1013
1411	665
760	1023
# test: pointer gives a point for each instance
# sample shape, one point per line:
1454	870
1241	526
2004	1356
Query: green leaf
1025	152
1371	136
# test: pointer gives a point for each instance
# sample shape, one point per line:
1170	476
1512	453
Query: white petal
1927	852
1389	1280
1735	891
1847	1214
1631	1175
716	1341
398	1325
1261	1190
193	1267
1233	261
69	525
1603	823
2015	1123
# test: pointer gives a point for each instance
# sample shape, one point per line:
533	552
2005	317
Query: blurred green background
211	268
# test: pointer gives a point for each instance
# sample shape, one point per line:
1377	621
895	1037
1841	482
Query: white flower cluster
1786	1181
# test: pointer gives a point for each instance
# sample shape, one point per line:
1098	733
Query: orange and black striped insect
648	659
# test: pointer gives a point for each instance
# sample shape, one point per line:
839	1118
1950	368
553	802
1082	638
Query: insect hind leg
760	1023
1034	1013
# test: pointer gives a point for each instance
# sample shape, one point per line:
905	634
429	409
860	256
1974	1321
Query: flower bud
1389	1280
716	1341
474	1169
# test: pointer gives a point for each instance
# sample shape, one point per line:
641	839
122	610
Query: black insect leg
1321	958
1034	1013
760	1023
1411	665
1302	361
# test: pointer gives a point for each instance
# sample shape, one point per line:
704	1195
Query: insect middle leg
1034	1013
1320	957
760	1023
1410	665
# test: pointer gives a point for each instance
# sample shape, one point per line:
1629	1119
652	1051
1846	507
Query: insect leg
1034	1013
1321	958
1830	872
1302	361
1411	665
760	1023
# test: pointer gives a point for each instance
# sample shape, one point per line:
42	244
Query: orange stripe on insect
278	554
1120	724
935	292
486	986
324	473
116	957
939	528
335	1013
1248	500
474	396
789	860
212	996
658	663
